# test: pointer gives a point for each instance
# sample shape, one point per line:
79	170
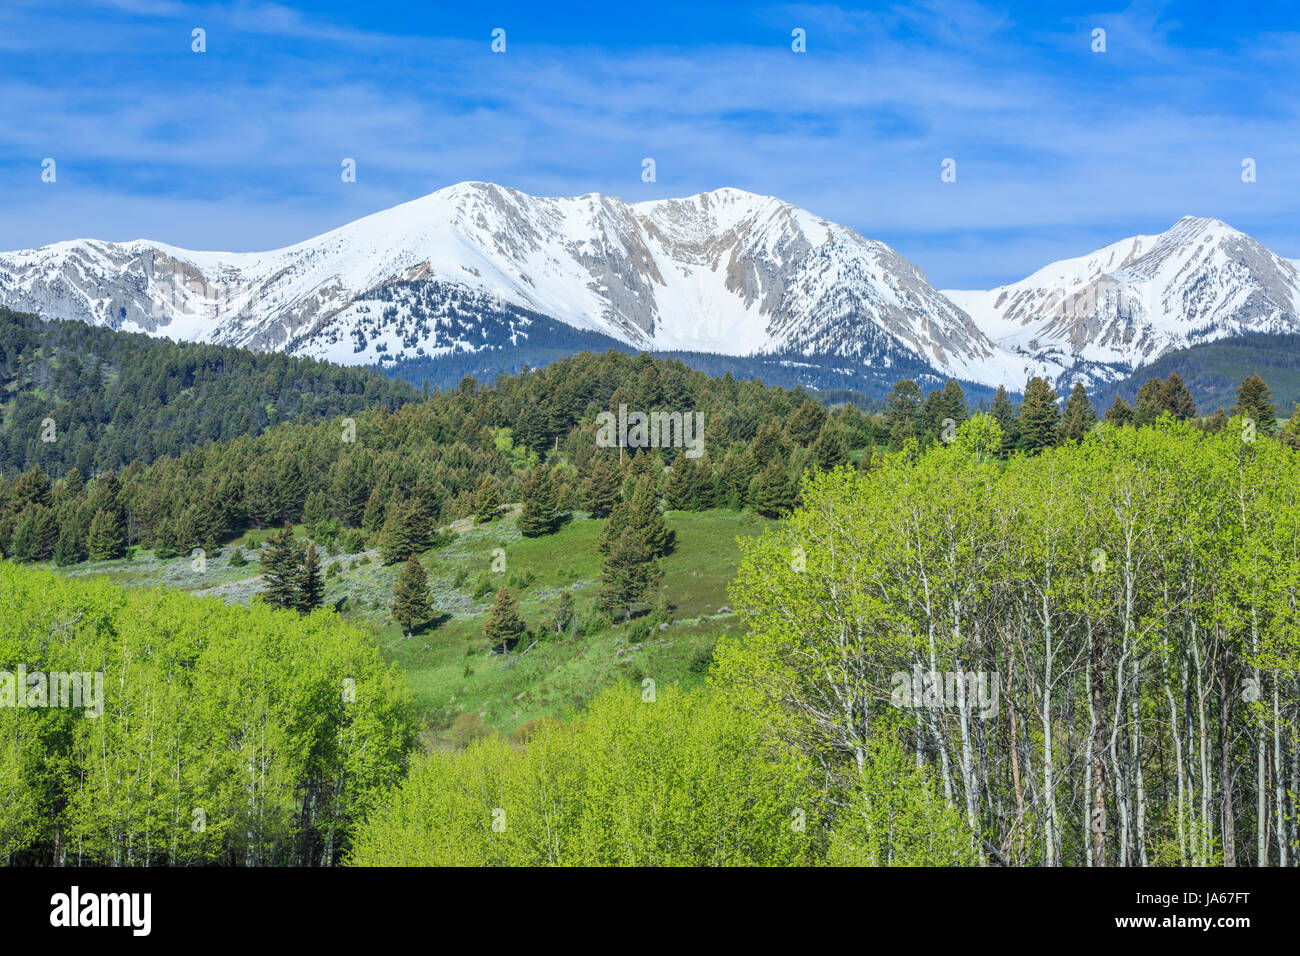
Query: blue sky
1058	149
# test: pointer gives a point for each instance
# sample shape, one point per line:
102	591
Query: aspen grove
1136	595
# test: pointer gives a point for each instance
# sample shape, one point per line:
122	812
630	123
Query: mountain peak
480	266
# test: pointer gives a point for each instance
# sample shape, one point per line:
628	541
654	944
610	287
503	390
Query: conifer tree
614	526
830	450
1008	419
1176	399
769	442
68	550
487	499
539	515
31	488
210	517
184	532
281	568
1216	422
401	535
703	487
627	574
1290	434
646	519
1119	412
1039	416
737	473
1079	416
411	605
1149	403
104	540
309	582
954	402
775	493
603	488
1254	400
680	483
372	518
504	626
36	534
902	412
806	422
315	510
164	545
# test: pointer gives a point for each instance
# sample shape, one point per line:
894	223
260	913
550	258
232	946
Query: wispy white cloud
1058	149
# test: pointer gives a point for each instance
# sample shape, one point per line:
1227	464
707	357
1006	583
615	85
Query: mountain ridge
478	266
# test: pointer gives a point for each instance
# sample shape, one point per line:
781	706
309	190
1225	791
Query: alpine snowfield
476	266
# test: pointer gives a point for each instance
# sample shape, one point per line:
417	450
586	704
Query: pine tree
646	519
504	626
627	574
315	510
1119	413
902	412
68	550
806	422
373	517
1079	416
1039	416
309	582
210	517
184	531
776	492
614	526
603	488
679	486
164	545
36	534
539	515
104	540
401	534
1254	400
281	568
411	605
487	499
1008	419
1176	399
830	450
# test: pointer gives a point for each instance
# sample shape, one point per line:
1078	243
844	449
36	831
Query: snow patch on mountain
477	266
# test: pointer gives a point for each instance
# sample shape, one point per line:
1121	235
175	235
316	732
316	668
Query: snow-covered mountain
1102	315
726	271
477	266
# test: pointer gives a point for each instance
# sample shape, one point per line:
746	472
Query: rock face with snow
726	271
477	266
1107	313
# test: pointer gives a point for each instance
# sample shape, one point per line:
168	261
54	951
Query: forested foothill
383	627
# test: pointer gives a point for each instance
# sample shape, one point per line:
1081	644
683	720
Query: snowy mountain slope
1132	301
477	267
726	271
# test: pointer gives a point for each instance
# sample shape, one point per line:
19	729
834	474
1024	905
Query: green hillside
1213	371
